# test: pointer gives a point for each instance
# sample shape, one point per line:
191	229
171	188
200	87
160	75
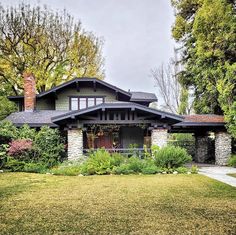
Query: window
82	103
74	103
77	103
91	102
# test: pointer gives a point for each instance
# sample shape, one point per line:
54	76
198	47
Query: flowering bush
19	148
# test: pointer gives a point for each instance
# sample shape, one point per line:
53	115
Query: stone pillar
75	144
201	146
159	137
223	148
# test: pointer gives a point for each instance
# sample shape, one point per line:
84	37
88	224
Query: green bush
99	162
14	165
135	164
182	170
34	167
194	169
122	169
48	146
232	161
8	132
171	157
117	159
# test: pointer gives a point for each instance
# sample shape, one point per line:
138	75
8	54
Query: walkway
219	173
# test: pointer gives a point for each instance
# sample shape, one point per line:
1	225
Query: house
96	114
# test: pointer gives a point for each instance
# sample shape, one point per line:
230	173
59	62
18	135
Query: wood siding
62	101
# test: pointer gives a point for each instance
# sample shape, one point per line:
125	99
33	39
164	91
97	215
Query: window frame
86	97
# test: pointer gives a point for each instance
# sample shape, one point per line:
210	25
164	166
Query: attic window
77	103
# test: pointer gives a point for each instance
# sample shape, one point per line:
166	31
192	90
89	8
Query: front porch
120	125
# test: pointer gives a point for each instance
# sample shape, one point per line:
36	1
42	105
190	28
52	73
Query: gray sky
137	35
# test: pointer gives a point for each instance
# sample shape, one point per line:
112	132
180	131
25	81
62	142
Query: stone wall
223	148
75	144
159	137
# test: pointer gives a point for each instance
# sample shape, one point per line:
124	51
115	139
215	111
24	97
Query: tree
207	32
6	107
174	95
51	45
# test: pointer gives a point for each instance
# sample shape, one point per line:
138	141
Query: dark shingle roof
36	118
142	96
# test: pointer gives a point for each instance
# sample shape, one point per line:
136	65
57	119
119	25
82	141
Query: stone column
223	148
75	144
201	146
159	137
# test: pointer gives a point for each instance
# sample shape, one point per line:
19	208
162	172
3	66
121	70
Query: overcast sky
136	33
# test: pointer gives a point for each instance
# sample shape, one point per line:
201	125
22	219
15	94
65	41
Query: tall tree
175	95
52	45
207	32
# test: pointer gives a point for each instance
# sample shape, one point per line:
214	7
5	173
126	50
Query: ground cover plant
111	204
232	161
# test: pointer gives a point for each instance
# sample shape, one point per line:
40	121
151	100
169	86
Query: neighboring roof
134	96
141	96
118	105
202	120
35	118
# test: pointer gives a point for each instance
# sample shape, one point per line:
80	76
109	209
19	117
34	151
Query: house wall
45	104
62	102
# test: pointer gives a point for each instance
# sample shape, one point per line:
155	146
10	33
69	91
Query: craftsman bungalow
96	114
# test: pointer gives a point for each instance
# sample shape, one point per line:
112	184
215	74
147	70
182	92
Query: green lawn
233	175
159	204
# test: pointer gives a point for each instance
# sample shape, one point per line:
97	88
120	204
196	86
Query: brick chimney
29	92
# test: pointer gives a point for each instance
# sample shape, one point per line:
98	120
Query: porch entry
116	137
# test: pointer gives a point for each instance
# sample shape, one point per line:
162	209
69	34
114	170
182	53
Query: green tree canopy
207	32
51	45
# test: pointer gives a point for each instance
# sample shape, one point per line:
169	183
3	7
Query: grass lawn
233	175
158	204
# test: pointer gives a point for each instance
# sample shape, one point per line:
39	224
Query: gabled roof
133	96
118	105
35	118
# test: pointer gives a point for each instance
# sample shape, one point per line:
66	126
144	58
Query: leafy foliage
6	107
232	161
171	157
7	131
207	31
48	146
49	44
18	148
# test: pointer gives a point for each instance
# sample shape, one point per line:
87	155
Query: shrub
3	154
232	161
117	159
182	170
34	167
48	146
25	132
171	157
8	132
99	162
135	164
194	169
14	164
20	149
122	169
151	169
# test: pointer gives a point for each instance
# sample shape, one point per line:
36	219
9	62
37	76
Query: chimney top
29	92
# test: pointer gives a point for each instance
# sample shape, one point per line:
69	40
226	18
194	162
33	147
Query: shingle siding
45	104
62	102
